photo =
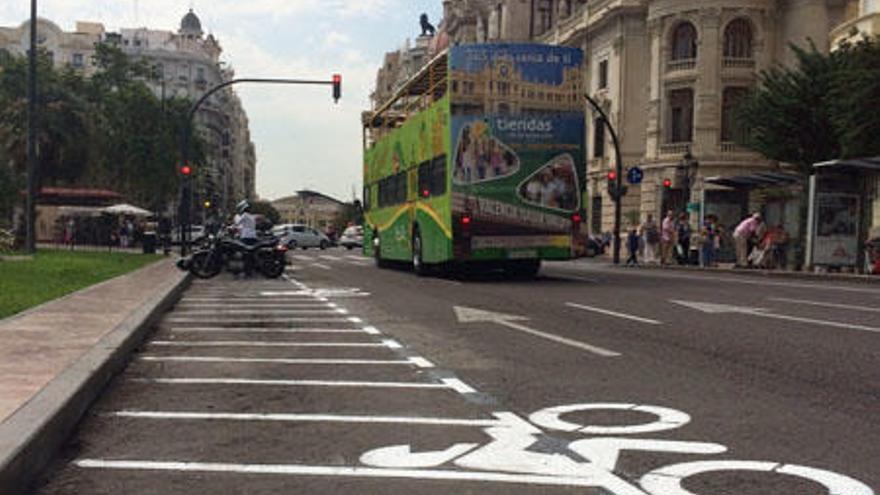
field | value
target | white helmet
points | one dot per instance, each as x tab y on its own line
242	206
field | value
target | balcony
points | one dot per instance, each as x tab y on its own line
738	63
675	148
681	65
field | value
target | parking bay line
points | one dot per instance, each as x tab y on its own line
419	362
257	312
614	313
826	304
256	320
244	343
453	384
501	419
350	472
266	330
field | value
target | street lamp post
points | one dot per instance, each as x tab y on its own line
618	180
30	203
688	166
187	192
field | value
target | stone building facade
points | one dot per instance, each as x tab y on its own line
311	208
186	64
669	73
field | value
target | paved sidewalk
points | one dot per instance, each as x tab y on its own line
845	277
38	344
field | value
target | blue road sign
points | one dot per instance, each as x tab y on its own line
634	175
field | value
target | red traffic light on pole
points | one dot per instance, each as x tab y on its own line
185	170
667	183
612	175
337	87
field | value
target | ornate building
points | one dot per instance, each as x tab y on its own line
669	73
186	64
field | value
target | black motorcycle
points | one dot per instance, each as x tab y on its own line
217	252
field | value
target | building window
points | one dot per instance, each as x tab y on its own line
200	74
738	39
870	6
78	60
544	16
731	129
681	116
684	42
599	138
603	74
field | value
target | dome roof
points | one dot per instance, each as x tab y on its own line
191	22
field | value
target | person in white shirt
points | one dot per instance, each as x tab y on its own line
246	223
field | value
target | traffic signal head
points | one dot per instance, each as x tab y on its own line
207	203
337	87
185	170
612	175
667	183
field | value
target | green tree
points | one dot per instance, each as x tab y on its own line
854	99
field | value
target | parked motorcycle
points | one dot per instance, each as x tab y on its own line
221	251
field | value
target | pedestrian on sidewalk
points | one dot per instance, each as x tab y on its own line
667	238
633	241
651	235
683	234
710	241
743	233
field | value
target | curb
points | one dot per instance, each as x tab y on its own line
31	437
816	277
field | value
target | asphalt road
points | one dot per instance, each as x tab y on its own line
344	378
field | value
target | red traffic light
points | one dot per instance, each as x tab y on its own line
667	183
185	170
576	218
612	175
337	87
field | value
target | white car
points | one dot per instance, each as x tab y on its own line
352	237
301	236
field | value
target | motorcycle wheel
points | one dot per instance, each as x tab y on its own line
272	267
202	265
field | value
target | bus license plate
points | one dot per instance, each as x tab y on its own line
522	254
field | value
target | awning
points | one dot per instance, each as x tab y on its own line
852	165
127	209
758	179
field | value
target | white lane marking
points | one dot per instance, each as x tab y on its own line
263	330
310	418
446	384
458	385
248	343
471	315
252	306
301	257
258	312
614	313
255	320
421	362
392	344
418	362
355	319
713	308
372	330
356	257
598	480
805	302
732	278
321	266
329	257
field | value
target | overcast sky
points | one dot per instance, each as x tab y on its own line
302	139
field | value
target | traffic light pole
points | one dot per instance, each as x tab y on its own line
619	179
187	190
30	213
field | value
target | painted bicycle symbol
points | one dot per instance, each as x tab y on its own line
592	461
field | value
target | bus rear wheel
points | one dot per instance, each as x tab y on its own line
377	251
418	263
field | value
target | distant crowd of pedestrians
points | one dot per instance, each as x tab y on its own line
669	242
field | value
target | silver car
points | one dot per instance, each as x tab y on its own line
352	237
302	236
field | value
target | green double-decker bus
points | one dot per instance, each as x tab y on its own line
479	159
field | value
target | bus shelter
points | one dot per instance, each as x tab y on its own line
844	216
